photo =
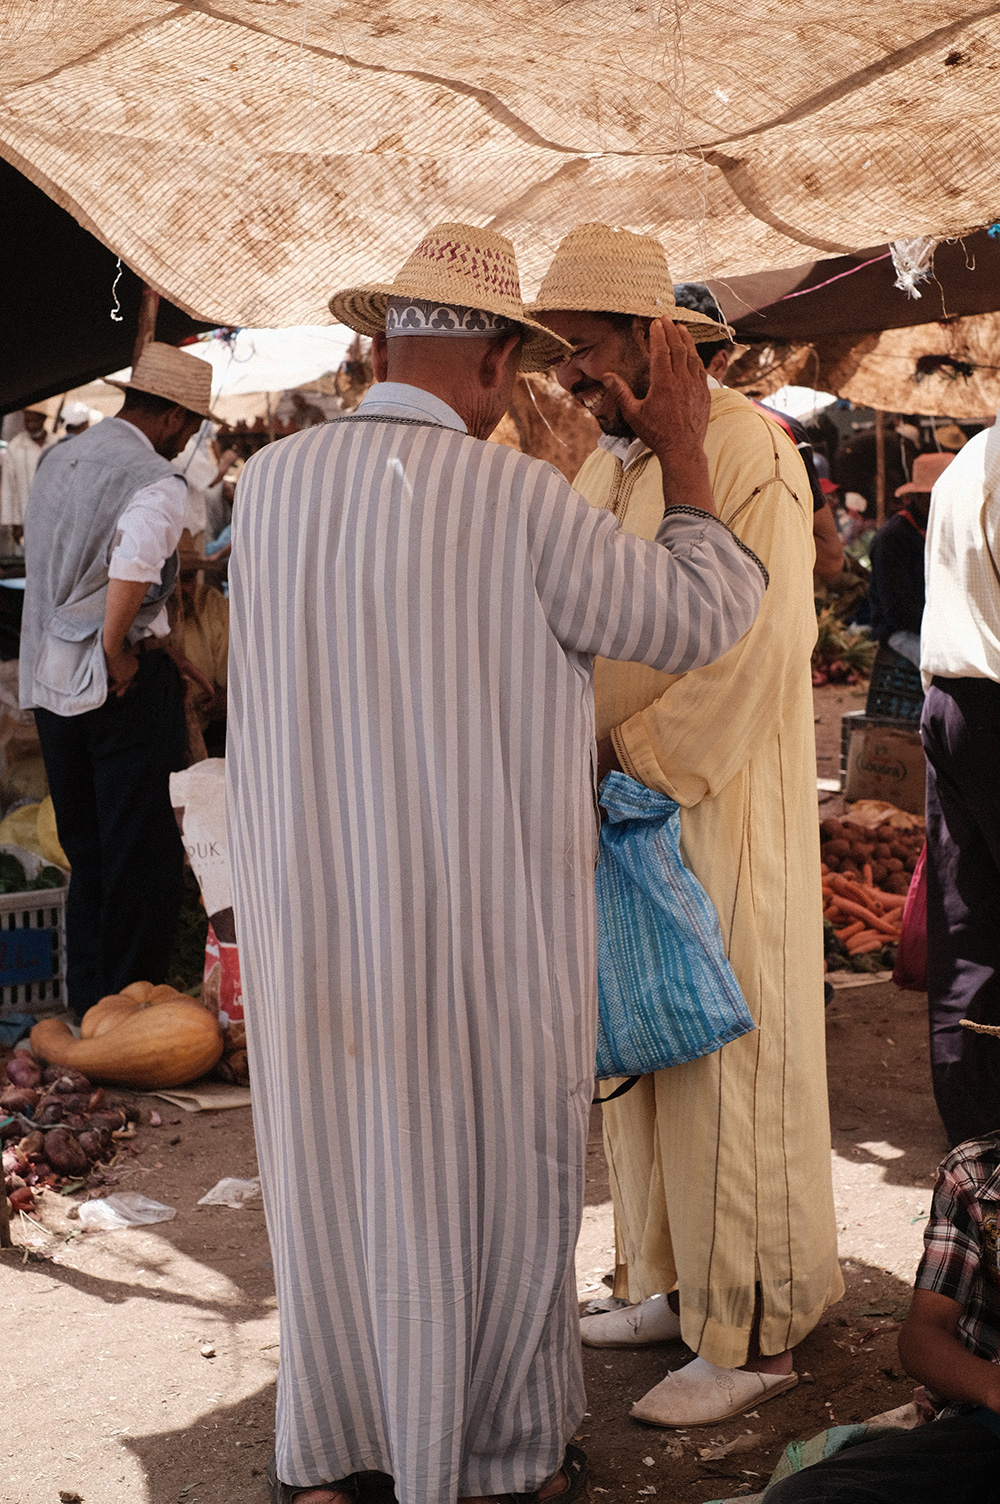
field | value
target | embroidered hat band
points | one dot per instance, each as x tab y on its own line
458	274
429	316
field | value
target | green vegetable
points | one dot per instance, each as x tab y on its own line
12	874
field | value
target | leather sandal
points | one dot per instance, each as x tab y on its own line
573	1468
287	1493
702	1394
652	1320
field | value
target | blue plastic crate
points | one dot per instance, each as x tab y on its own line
33	952
895	689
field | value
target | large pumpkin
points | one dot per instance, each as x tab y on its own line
147	1037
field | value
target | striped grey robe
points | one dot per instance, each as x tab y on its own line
412	830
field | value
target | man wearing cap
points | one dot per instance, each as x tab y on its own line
103	521
17	470
413	836
960	730
897	555
720	1169
75	419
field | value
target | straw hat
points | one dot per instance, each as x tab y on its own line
967	1023
927	468
164	371
600	270
459	266
950	436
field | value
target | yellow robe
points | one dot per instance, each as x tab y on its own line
720	1169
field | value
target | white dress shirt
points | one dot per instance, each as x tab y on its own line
17	471
960	633
148	532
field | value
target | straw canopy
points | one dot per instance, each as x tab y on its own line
458	266
597	269
164	371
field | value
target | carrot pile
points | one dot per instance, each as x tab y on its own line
867	861
864	918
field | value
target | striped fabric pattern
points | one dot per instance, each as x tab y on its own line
413	838
666	992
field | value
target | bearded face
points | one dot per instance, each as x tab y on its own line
601	345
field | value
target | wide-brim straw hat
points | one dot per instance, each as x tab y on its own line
461	266
950	436
164	371
597	269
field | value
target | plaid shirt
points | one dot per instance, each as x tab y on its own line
962	1245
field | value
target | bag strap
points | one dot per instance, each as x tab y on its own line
619	1091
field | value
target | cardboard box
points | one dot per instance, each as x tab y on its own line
882	759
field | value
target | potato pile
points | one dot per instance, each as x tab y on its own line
56	1128
883	857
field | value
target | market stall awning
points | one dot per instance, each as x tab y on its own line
247	157
858	294
940	370
56	300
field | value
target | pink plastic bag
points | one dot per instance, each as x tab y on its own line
910	971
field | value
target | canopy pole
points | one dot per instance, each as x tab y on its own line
146	327
879	468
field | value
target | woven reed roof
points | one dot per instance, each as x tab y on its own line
246	157
958	374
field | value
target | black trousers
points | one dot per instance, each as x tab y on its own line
960	729
108	775
955	1461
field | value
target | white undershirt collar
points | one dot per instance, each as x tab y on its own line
398	399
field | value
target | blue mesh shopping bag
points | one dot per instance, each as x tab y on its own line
666	992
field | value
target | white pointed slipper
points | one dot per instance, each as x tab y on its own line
650	1321
699	1394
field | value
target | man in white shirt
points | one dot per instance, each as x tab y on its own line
20	461
103	522
960	728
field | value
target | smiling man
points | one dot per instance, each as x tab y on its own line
720	1169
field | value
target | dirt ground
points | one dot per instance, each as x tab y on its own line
139	1365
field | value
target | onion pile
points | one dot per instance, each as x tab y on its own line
55	1127
233	1066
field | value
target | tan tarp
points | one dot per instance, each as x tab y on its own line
880	370
246	157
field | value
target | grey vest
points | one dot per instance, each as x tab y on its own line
75	502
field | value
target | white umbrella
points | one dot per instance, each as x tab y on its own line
270	360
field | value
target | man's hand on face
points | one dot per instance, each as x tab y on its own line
672	418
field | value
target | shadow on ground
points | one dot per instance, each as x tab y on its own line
887	1142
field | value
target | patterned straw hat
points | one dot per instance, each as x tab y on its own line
164	371
600	270
454	266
